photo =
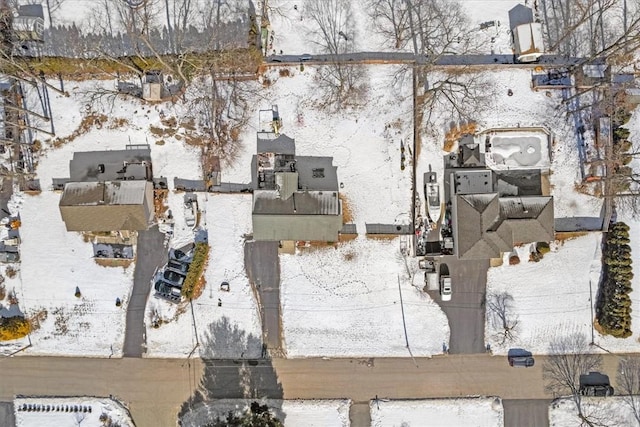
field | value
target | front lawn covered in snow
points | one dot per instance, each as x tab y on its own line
345	302
476	412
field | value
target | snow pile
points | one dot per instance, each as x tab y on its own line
69	412
229	330
610	411
345	302
476	412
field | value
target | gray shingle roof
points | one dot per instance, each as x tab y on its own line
488	225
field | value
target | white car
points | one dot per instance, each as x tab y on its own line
445	288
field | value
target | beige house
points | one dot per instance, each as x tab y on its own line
107	206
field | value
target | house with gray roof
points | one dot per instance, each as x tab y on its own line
107	206
486	224
109	191
294	197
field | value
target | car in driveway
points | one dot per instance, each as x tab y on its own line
178	266
521	361
445	288
166	288
174	278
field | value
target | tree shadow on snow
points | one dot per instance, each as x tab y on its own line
235	367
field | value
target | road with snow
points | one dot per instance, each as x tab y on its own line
154	389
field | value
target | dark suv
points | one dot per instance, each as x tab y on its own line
595	384
600	390
521	361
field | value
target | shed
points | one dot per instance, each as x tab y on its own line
29	24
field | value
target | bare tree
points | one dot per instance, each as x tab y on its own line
335	34
569	358
391	19
629	384
220	109
591	28
502	317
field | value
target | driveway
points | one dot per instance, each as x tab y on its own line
7	418
263	268
151	254
466	310
526	412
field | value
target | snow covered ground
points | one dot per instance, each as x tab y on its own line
365	141
609	411
551	298
232	329
69	412
293	413
293	28
55	261
345	302
470	412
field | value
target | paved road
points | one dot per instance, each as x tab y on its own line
526	413
408	57
465	311
156	388
151	254
7	418
263	268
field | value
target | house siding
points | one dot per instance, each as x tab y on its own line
297	227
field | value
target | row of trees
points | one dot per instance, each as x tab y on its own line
613	308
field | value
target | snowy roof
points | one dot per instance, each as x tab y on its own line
110	165
317	173
269	142
268	202
109	206
487	225
473	181
104	193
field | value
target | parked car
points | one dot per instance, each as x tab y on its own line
305	57
445	288
521	361
178	266
600	390
595	384
175	279
166	288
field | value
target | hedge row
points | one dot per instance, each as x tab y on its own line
613	310
12	328
200	254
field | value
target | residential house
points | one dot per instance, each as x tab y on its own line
108	191
486	223
294	197
107	206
